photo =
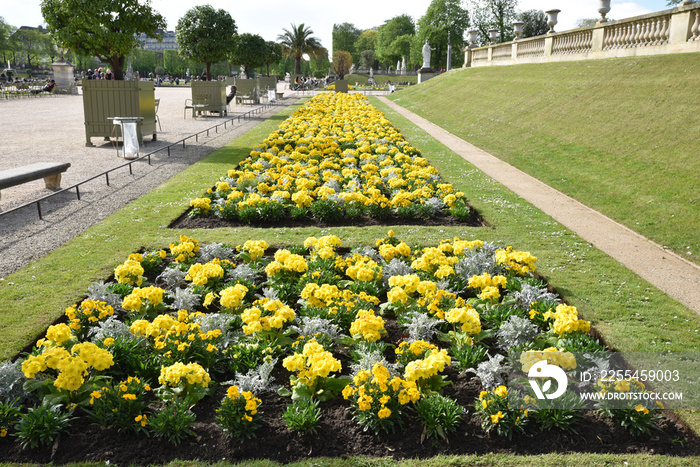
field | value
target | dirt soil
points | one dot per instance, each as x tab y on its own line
340	436
211	222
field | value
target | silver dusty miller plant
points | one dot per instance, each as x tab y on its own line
419	326
516	332
258	379
100	291
215	250
183	299
309	326
172	278
395	267
529	294
478	261
491	371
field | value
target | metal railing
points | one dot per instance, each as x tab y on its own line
260	108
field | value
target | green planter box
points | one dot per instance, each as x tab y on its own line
209	96
104	99
341	85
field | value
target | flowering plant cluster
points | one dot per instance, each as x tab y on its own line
141	351
337	157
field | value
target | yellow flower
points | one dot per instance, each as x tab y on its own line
497	417
641	408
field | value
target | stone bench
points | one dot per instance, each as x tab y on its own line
49	171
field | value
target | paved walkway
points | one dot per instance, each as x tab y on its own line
51	129
676	276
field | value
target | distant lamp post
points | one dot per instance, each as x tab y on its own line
517	29
493	35
552	20
449	51
603	10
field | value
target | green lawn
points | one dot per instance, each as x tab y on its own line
630	313
619	135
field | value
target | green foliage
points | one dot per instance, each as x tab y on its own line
41	425
250	51
106	29
366	41
441	18
345	36
303	415
297	42
10	412
501	412
493	14
561	414
238	414
388	33
535	23
326	210
174	421
122	405
467	355
206	35
273	54
439	415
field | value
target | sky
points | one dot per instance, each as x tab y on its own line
269	17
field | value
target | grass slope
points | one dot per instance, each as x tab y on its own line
619	135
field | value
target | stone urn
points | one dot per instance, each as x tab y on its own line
517	29
552	20
493	35
473	35
603	10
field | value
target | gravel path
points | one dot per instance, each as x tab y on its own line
675	275
50	129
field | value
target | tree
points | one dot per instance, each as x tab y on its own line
344	37
249	52
441	18
28	42
206	35
273	54
366	41
6	31
535	23
342	61
493	14
106	29
583	22
297	42
367	59
388	32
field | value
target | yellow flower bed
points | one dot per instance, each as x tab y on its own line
336	157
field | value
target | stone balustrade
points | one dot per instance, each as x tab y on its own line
670	31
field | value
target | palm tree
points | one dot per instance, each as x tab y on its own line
297	42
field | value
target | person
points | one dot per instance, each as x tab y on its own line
231	95
48	87
108	74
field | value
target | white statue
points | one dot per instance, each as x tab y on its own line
398	66
426	54
371	72
403	65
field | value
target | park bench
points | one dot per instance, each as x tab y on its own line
49	171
